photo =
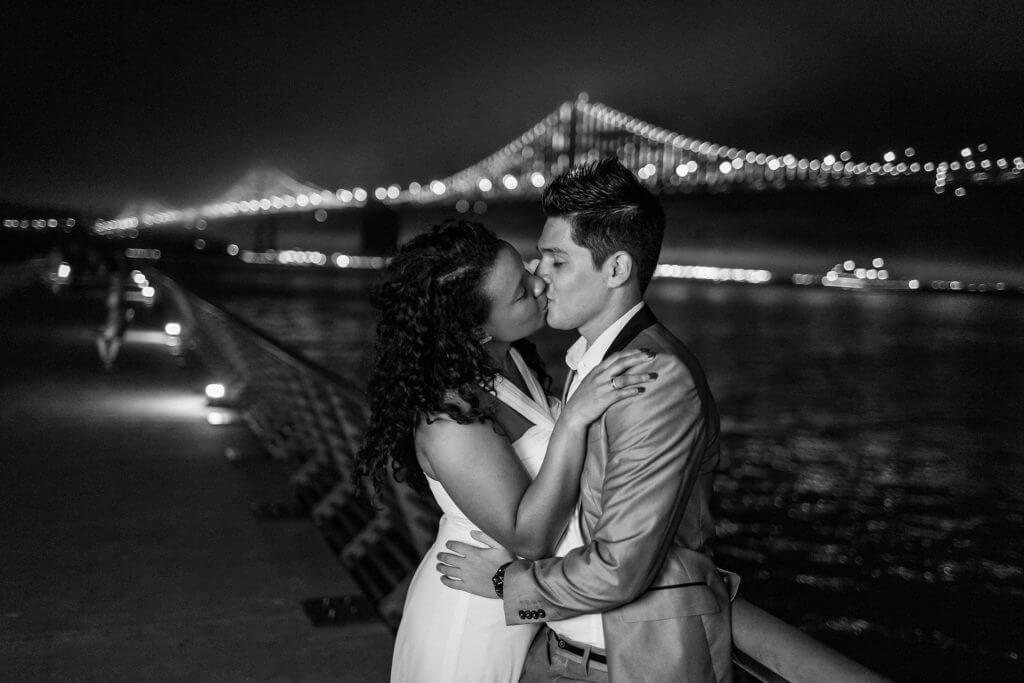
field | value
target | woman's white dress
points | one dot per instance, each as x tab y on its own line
448	635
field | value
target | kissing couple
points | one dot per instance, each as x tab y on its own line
573	540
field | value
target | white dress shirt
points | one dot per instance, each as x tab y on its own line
582	359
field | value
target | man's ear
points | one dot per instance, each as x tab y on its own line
619	269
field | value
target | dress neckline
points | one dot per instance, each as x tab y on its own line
534	407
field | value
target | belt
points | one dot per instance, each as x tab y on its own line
579	651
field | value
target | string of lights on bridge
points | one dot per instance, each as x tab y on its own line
581	131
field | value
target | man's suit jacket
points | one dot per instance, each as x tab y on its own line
645	513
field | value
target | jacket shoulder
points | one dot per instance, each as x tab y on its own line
675	360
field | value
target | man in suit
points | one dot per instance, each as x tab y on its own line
640	600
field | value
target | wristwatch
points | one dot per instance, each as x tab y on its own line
499	580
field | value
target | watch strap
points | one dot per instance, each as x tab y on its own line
499	580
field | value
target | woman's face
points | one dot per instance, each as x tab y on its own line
518	302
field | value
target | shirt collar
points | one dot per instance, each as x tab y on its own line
582	359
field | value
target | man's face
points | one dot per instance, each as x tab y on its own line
577	291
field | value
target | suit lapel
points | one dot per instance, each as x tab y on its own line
568	382
643	319
593	471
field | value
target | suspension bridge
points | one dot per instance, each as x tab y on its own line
579	131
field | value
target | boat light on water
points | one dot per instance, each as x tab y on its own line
848	275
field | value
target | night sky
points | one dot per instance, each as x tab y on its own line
173	102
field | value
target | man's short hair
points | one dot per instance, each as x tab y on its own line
609	211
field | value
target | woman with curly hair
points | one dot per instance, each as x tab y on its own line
459	407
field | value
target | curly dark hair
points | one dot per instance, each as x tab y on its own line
431	304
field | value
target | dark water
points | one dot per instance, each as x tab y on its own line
872	490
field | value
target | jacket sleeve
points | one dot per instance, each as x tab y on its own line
655	448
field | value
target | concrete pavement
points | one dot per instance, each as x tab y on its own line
128	548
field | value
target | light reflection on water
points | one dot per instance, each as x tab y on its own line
872	489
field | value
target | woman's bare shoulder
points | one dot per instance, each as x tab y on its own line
442	426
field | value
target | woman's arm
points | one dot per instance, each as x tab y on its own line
480	470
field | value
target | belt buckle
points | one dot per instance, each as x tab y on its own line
584	653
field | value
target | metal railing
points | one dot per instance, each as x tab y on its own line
771	650
313	420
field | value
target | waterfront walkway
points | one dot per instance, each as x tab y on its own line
130	550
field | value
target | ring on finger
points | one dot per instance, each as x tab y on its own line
613	383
